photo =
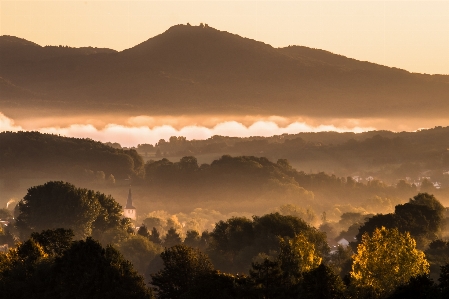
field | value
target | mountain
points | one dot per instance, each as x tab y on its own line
199	69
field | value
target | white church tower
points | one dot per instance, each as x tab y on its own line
130	210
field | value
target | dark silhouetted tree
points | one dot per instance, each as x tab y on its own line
54	242
87	270
192	239
322	283
418	287
143	231
155	236
266	278
172	238
183	266
62	205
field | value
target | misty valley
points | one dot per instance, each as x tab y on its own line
239	216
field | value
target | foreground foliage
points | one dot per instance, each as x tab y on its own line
51	265
386	260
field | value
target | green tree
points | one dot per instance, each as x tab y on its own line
236	241
438	255
155	236
322	283
341	260
386	260
87	270
444	280
183	266
26	270
109	216
143	231
54	242
266	277
192	239
115	235
55	205
422	217
139	251
50	266
296	256
21	271
172	238
188	164
62	205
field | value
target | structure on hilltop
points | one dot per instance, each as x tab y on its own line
129	211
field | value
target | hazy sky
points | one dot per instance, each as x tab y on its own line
413	35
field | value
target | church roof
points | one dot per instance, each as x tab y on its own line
129	202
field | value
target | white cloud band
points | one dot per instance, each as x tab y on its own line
133	134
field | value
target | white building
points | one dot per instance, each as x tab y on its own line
343	242
129	211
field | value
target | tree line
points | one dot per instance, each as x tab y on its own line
33	154
402	154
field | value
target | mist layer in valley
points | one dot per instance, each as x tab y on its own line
222	176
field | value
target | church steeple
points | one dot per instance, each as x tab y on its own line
129	202
130	211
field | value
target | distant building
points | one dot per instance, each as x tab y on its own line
343	242
129	211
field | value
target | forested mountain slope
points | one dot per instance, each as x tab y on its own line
199	69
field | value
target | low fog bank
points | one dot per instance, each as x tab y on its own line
145	129
133	130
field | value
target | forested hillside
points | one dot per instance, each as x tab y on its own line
388	156
201	70
35	155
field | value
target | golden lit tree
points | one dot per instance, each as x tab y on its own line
386	260
297	255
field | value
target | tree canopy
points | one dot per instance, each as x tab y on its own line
51	265
236	241
62	205
183	266
422	217
385	260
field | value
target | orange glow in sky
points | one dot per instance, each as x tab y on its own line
412	35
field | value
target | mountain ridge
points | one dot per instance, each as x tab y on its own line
199	69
